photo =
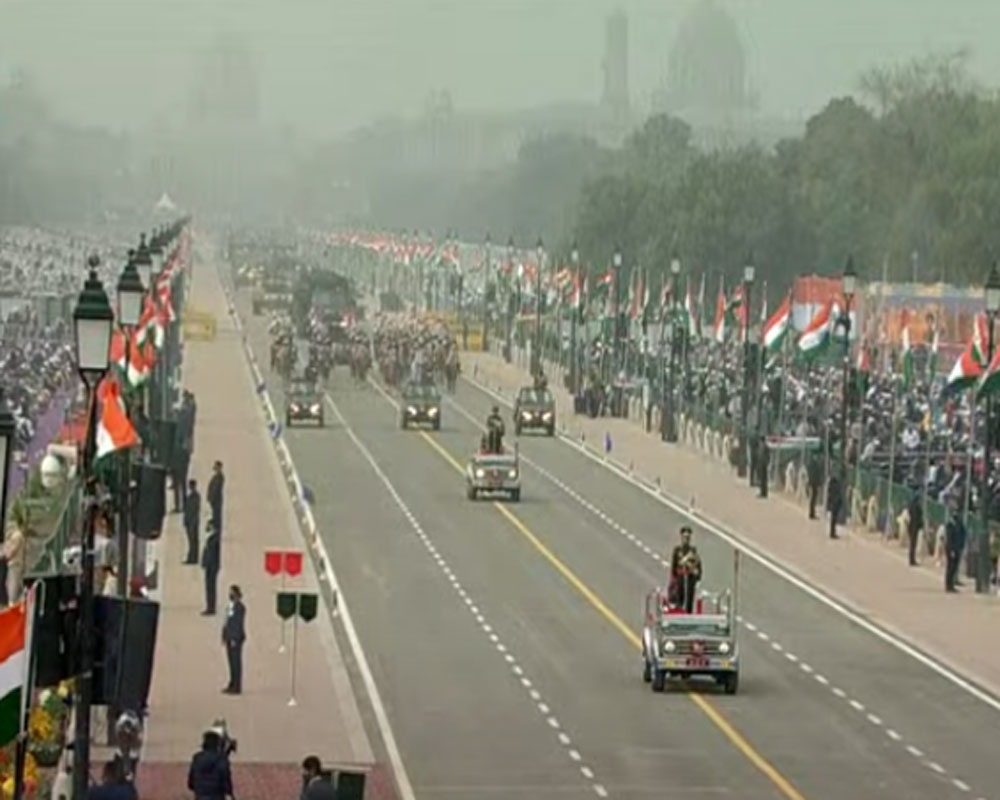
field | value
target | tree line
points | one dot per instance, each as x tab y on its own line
901	176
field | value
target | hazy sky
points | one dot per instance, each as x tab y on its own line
327	65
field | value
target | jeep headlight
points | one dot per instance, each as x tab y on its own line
432	412
512	474
525	415
724	648
669	646
314	408
295	408
547	416
480	473
411	410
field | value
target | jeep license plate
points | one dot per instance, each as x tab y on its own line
696	661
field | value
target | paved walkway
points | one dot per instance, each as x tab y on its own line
858	569
190	668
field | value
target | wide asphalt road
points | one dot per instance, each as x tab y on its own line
503	638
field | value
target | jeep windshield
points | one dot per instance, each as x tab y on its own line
423	394
301	388
535	397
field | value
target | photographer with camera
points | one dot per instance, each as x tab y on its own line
317	783
209	775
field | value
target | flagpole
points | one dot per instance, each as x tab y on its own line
861	431
892	455
21	748
970	462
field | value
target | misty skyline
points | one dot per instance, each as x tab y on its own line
330	65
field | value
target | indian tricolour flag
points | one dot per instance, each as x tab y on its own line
990	381
777	326
967	368
817	332
907	352
719	326
15	647
689	312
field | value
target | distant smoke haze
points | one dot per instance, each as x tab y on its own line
329	65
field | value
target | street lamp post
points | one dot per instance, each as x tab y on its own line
536	348
130	292
8	427
616	270
574	257
668	423
488	299
509	353
849	284
748	276
93	321
983	561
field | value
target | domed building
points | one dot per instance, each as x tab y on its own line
707	65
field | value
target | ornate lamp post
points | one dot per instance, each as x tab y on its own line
536	347
130	293
574	370
668	422
7	429
748	275
849	285
489	296
509	354
93	322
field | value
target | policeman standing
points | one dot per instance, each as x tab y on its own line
954	544
233	636
211	560
216	487
192	519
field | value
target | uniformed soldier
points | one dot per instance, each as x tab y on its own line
685	572
495	430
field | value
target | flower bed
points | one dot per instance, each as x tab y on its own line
47	722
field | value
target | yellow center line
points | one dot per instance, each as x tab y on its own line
737	739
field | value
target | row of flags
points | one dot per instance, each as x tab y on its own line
594	295
133	357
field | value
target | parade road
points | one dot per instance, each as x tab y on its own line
504	637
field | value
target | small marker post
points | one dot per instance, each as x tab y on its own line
295	652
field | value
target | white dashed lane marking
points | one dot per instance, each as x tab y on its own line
476	612
762	635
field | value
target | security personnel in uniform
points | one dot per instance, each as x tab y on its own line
685	572
495	430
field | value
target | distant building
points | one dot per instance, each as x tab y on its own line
707	69
225	87
615	97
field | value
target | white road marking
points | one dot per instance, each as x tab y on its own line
487	628
772	564
776	646
402	778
